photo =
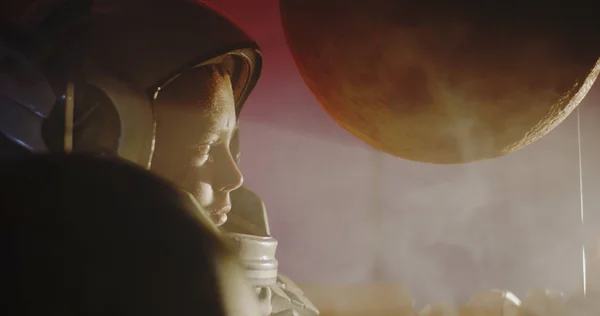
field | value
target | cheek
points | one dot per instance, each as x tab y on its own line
204	193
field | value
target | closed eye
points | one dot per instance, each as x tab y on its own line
203	149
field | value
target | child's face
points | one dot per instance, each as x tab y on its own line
196	122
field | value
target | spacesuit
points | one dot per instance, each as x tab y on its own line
84	77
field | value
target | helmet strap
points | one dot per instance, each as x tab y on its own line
69	114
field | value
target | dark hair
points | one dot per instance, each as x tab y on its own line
92	236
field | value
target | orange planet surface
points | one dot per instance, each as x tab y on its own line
443	82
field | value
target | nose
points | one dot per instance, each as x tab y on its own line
229	176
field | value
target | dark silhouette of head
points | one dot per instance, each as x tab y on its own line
93	236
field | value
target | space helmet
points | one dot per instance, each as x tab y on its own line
85	76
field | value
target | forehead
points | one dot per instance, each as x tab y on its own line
197	103
205	89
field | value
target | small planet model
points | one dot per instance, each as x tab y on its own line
445	82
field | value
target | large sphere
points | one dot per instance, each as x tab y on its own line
443	81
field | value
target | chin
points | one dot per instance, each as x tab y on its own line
219	220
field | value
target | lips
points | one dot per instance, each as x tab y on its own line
219	216
221	211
